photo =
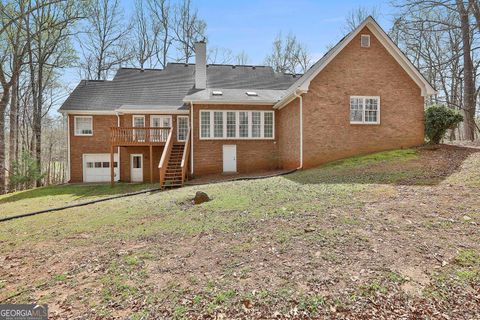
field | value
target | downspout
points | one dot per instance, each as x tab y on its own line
191	138
118	148
68	148
301	128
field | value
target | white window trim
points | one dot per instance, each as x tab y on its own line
237	124
361	40
159	116
178	128
75	126
138	116
363	110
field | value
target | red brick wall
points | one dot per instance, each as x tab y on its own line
252	155
99	142
328	134
288	135
125	163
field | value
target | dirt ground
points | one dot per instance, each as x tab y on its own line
382	237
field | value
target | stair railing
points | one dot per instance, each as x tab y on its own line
162	166
186	155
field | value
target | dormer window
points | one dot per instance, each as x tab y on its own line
217	93
365	41
252	94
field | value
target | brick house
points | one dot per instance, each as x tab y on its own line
196	119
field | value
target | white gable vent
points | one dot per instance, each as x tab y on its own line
217	93
365	41
252	94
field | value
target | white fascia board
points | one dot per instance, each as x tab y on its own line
87	112
289	98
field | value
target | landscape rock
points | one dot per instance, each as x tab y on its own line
201	197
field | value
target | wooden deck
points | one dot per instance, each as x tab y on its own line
135	136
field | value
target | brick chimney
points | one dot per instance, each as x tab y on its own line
200	65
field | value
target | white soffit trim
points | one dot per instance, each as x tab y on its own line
246	102
152	111
303	83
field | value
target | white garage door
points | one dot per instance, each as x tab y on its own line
96	167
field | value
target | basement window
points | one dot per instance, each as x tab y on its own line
217	93
252	94
365	41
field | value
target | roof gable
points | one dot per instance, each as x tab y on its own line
303	83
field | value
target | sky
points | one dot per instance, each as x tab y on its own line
251	25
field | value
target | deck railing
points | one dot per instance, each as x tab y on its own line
162	166
139	136
185	157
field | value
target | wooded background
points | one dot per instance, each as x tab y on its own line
40	39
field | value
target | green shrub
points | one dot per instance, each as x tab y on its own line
26	170
438	119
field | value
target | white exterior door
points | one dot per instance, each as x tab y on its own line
96	167
136	168
229	158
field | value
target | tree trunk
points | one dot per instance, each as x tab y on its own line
3	106
12	147
469	76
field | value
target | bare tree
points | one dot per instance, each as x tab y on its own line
160	13
12	52
48	34
242	58
440	39
288	55
146	34
219	55
104	46
188	28
357	15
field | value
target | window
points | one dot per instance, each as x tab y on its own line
182	128
243	124
218	124
365	110
231	124
268	125
217	93
83	126
205	124
89	164
222	124
251	93
98	164
365	41
256	124
106	164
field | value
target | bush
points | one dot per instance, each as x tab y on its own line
26	171
438	119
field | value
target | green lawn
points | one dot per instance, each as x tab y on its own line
317	242
57	196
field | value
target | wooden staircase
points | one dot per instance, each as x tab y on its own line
173	175
174	163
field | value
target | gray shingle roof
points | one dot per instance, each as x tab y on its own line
165	89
